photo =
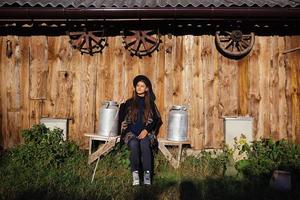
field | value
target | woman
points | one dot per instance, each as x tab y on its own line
140	120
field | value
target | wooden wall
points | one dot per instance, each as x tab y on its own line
45	77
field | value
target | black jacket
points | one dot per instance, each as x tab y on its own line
152	125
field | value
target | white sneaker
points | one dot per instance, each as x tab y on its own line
147	178
136	178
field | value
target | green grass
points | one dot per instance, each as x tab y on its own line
72	180
46	167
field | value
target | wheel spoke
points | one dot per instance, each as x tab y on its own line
151	39
230	44
244	43
146	47
95	39
238	46
136	45
132	43
149	32
241	46
225	40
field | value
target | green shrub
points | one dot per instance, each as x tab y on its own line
266	155
43	148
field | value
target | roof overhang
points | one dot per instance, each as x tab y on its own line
167	13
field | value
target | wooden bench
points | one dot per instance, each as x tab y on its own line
162	145
109	144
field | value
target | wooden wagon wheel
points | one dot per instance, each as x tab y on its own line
141	42
234	44
89	42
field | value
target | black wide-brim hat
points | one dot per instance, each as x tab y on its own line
146	80
143	78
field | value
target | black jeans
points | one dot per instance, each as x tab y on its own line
140	150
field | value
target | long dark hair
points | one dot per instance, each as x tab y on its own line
134	107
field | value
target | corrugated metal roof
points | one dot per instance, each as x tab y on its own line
150	3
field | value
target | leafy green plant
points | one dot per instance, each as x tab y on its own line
44	147
266	155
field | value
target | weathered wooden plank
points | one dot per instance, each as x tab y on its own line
293	90
187	64
86	91
170	45
159	83
208	86
282	78
274	89
100	82
54	63
24	82
64	52
229	77
62	106
147	67
243	87
13	135
197	113
10	92
38	67
13	77
132	70
13	94
119	71
264	106
296	55
109	71
217	120
103	149
75	66
213	134
59	55
3	106
254	92
178	72
35	111
187	77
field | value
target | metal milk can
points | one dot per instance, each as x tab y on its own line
178	123
108	121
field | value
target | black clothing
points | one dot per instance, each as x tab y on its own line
140	149
138	125
152	124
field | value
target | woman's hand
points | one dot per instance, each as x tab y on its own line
123	125
143	134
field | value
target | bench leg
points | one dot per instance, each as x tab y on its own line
179	155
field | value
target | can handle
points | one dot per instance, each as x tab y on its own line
106	104
181	107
